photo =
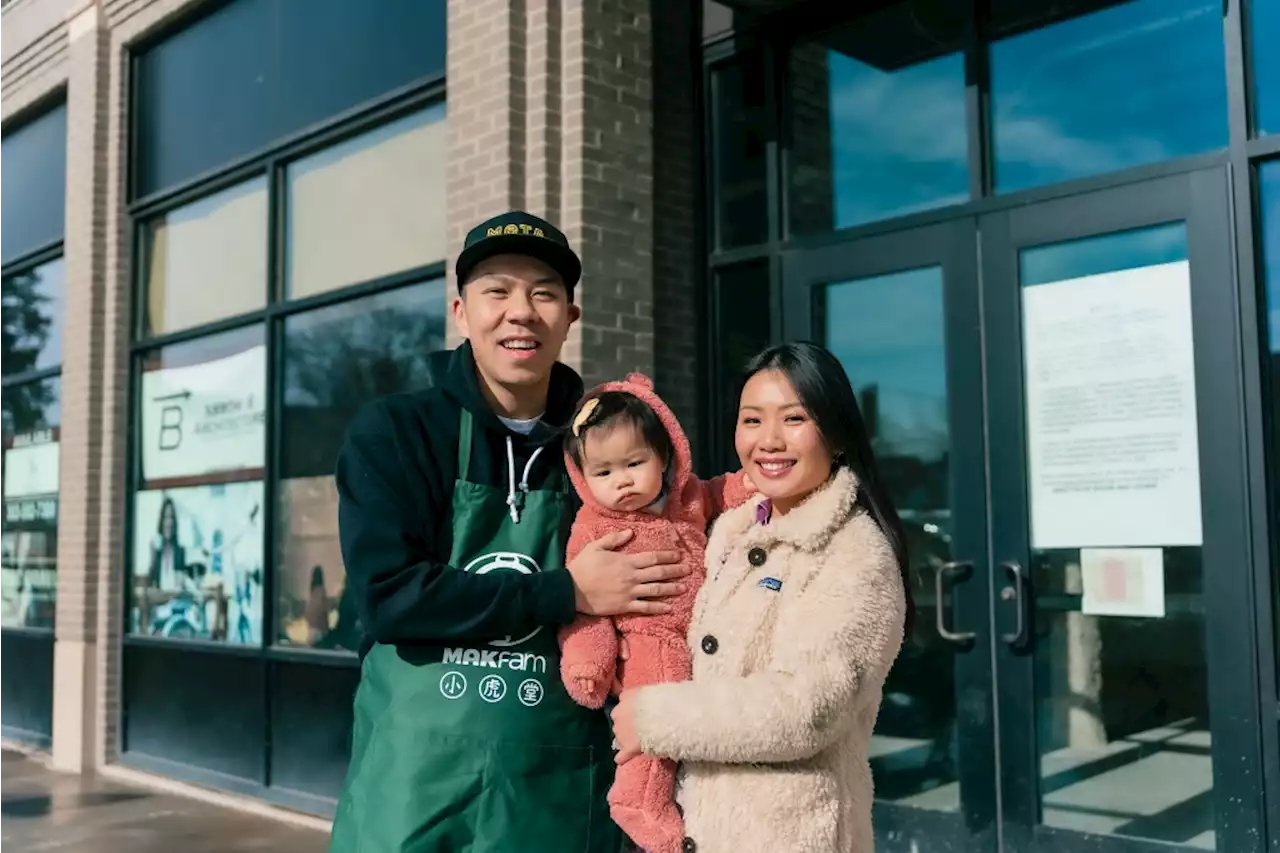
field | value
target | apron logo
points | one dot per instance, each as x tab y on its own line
493	688
506	561
453	685
530	692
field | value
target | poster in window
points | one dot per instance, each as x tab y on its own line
31	464
197	563
1112	435
204	418
29	569
29	545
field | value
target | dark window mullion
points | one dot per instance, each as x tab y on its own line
977	72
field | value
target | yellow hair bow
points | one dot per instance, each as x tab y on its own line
587	408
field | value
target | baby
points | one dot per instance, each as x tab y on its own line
630	463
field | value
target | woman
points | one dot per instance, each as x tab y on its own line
801	617
169	570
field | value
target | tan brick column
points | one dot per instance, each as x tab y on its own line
608	182
550	110
486	109
75	650
543	116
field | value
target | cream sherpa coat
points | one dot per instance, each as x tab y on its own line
793	634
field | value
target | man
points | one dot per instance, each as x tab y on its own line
454	509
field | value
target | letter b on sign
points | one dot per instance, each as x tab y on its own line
170	428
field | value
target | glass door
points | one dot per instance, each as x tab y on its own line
1123	621
902	314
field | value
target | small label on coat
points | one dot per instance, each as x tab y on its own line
770	583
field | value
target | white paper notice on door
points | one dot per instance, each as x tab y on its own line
1112	446
1122	582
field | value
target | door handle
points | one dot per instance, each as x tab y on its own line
1016	594
958	567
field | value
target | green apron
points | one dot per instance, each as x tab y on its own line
476	746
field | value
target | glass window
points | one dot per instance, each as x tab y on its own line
33	316
208	260
335	359
255	71
197	537
1265	25
1121	687
889	333
743	328
28	570
877	121
33	195
1269	178
370	206
1133	84
739	136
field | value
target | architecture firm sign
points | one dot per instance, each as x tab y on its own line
1113	450
205	418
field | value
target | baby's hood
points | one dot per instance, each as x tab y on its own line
642	386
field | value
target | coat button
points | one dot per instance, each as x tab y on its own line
710	644
756	557
688	845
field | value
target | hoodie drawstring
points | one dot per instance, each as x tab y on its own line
514	499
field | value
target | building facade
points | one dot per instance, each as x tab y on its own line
1044	240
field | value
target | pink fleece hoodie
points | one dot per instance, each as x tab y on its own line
642	797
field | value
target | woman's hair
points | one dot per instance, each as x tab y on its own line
167	506
615	409
824	390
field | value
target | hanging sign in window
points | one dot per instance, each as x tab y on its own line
1112	446
204	418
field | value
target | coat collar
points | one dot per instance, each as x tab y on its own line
810	525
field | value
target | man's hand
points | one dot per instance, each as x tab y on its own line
607	583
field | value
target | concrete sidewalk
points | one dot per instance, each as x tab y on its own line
65	813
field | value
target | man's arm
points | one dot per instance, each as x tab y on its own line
401	591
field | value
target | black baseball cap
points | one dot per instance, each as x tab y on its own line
519	233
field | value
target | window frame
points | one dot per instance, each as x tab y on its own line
277	308
30	261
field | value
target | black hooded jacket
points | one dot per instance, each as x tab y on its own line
395	479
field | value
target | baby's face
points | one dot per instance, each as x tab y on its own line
621	470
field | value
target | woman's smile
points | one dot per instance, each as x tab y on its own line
773	468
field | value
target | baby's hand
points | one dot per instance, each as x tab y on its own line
587	683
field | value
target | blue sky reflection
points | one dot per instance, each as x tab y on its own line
1133	84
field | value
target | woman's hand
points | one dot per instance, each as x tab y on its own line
624	727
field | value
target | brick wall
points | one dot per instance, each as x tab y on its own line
81	575
551	109
608	182
486	69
